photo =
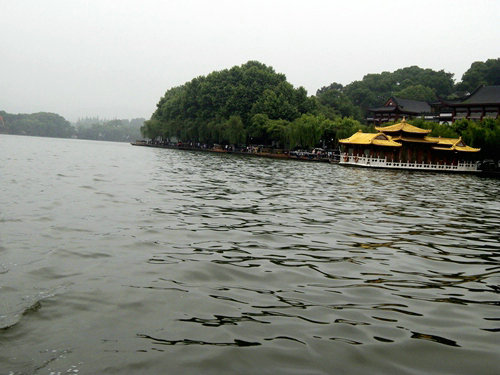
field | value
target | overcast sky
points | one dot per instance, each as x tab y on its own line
115	59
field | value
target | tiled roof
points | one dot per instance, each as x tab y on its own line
484	95
383	109
404	105
415	106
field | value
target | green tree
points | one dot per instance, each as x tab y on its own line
481	73
276	132
334	102
234	132
305	132
417	92
42	124
206	108
374	89
257	129
152	129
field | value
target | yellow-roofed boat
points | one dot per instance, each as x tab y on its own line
405	146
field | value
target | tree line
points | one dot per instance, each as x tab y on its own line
44	124
41	124
407	83
109	130
253	104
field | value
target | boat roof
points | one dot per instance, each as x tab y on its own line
377	139
414	139
402	126
453	144
383	139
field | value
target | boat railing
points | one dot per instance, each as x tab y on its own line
373	161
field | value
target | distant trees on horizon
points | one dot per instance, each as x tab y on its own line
46	124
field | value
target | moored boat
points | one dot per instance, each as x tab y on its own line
404	146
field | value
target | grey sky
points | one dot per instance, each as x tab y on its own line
115	59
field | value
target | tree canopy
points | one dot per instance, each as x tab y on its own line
38	124
374	89
481	73
109	130
230	105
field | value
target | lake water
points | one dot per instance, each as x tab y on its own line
117	259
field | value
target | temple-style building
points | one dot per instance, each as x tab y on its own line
395	109
404	146
482	103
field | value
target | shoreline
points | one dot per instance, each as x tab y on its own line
307	157
284	156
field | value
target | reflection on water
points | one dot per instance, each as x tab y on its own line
120	259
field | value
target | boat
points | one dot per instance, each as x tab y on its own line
405	146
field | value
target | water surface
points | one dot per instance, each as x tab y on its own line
117	259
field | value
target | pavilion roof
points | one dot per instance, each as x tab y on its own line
416	106
458	148
445	141
383	139
383	109
414	139
402	126
452	144
483	95
403	105
377	139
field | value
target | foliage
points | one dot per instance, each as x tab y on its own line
112	130
211	108
480	134
481	73
335	103
417	92
233	131
484	134
374	89
41	124
53	125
